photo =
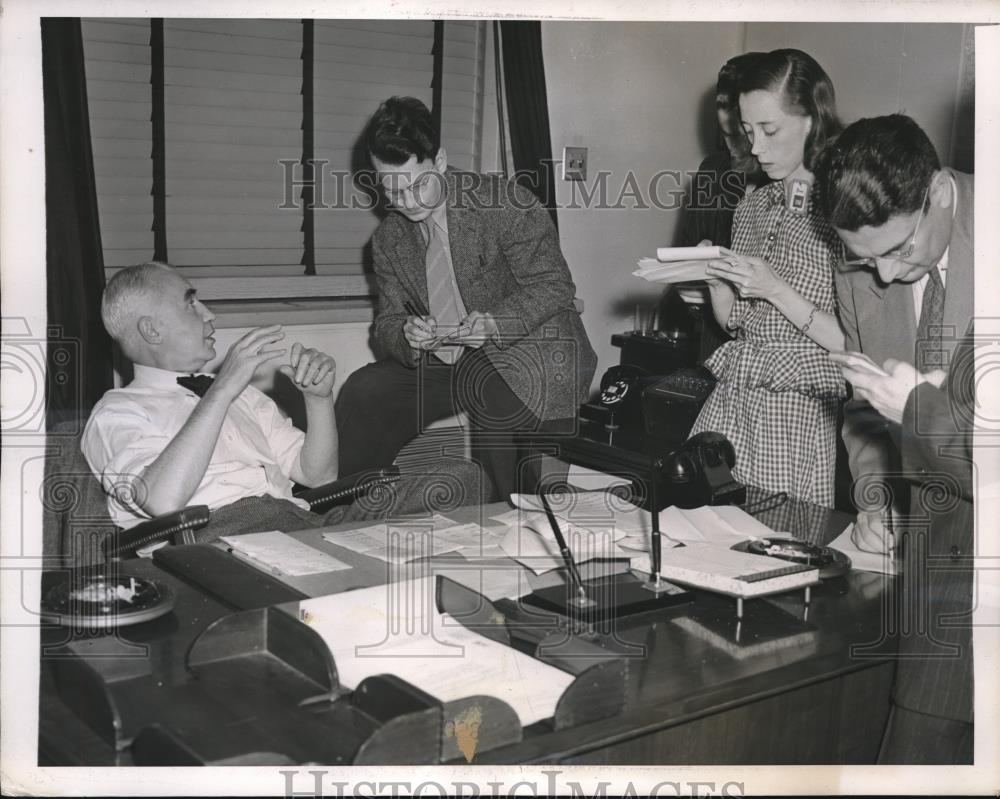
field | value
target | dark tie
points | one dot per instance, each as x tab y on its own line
199	384
929	354
440	288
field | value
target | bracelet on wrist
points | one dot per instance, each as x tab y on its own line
809	321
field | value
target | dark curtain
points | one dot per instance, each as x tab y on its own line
528	109
80	355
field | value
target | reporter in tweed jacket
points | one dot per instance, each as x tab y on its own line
507	261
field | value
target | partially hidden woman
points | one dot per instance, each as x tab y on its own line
777	395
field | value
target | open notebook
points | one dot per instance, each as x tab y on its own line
396	629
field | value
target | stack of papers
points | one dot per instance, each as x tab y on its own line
278	553
401	542
678	264
396	629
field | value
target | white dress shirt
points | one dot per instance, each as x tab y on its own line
129	428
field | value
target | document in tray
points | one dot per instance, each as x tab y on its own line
400	542
726	571
276	552
396	629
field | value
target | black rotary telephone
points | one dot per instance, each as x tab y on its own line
699	472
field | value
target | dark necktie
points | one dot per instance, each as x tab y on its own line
441	297
199	384
929	354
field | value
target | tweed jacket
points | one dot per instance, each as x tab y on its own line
931	455
507	261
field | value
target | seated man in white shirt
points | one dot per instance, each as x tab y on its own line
157	446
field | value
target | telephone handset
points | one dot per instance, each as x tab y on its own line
699	472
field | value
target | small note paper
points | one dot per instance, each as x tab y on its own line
276	552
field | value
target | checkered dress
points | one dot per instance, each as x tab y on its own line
777	395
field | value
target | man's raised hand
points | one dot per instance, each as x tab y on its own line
313	372
244	358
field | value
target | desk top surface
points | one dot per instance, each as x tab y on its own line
681	662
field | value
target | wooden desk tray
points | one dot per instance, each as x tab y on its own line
599	689
108	683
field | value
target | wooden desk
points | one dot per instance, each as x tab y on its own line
690	698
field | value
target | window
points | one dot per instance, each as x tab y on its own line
242	101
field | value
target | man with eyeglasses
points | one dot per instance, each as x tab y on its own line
475	310
905	299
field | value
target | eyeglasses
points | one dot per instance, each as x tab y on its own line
902	253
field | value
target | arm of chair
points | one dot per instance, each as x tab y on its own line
178	526
347	489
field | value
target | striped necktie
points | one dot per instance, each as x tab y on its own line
441	290
929	354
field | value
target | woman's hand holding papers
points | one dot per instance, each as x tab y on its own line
749	276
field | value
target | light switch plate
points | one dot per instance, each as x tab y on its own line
574	163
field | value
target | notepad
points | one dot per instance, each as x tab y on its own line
277	552
726	571
396	629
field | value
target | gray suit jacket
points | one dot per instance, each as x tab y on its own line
878	320
930	453
508	263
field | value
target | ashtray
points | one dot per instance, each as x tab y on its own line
103	601
830	562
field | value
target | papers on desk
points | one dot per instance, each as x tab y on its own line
587	521
396	629
630	526
279	553
863	561
403	541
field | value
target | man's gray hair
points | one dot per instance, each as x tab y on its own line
125	293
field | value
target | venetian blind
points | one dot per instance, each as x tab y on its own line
233	113
358	64
462	92
117	65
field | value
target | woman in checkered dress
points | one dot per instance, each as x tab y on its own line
778	394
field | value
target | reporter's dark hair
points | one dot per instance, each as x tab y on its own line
877	168
805	89
729	78
402	127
